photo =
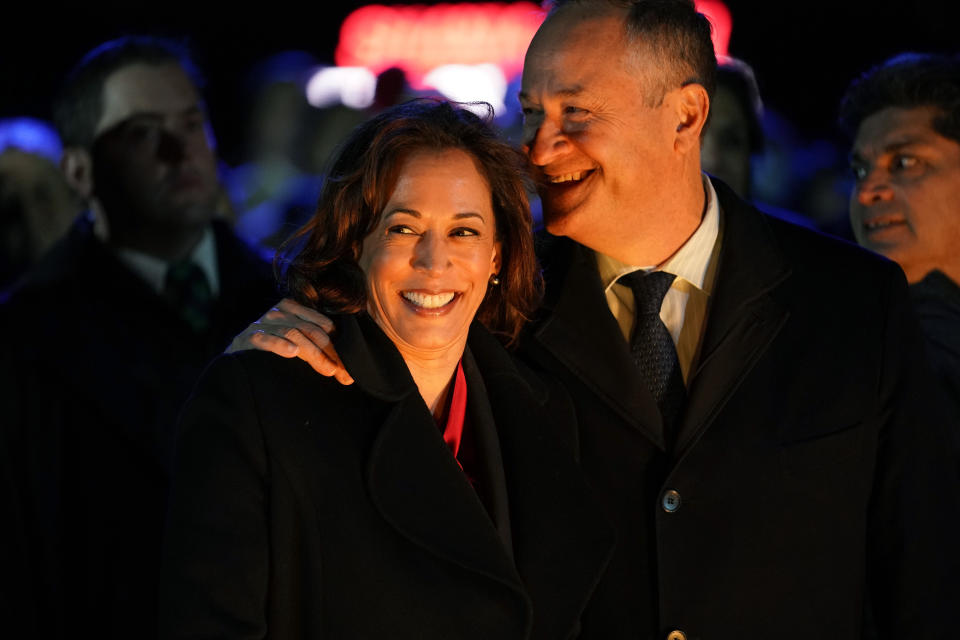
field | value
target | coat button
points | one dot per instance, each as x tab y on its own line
671	501
676	634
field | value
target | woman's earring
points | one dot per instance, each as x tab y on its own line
494	280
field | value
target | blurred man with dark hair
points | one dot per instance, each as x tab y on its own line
733	133
126	319
904	119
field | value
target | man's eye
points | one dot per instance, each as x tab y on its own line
859	172
140	131
904	162
193	124
531	114
575	112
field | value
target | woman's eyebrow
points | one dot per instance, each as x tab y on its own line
469	214
396	210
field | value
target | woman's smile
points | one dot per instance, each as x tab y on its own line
430	303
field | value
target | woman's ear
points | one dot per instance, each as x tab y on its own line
495	261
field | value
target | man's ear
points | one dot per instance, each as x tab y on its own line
692	107
77	166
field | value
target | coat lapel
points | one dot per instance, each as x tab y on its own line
744	316
579	331
413	479
490	470
561	540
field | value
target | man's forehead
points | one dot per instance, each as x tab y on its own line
895	126
161	89
567	62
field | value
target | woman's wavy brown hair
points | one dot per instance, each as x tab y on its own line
319	264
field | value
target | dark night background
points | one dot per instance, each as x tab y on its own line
804	53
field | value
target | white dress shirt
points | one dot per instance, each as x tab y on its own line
684	308
154	270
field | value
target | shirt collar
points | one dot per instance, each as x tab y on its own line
690	262
154	270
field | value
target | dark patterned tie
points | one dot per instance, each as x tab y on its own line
188	292
652	347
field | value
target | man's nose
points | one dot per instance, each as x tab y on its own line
546	144
172	146
431	254
874	188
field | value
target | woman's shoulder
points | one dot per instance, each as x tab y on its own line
512	383
496	361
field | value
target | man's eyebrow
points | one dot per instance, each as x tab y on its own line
153	118
891	146
156	115
899	143
566	92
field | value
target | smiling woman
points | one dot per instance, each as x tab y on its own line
429	262
326	273
413	503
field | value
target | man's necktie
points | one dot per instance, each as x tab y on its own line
188	292
652	347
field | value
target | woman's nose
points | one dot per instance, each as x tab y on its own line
431	253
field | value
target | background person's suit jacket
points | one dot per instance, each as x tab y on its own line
94	372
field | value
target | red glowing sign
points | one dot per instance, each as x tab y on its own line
418	38
719	16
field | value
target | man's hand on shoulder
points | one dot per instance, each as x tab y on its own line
292	330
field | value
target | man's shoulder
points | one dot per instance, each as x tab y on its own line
248	285
62	271
236	253
806	251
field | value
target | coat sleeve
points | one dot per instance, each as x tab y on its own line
214	574
914	521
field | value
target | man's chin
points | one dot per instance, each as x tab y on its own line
557	221
187	216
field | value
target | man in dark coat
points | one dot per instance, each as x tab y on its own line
904	119
755	412
131	307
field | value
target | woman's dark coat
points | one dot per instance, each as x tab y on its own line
304	509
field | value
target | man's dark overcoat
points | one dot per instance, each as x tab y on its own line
816	489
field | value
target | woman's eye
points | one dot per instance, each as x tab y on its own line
463	232
401	229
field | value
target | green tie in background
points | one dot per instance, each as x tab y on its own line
188	292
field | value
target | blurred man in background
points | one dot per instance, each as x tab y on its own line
734	133
127	317
904	119
37	207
